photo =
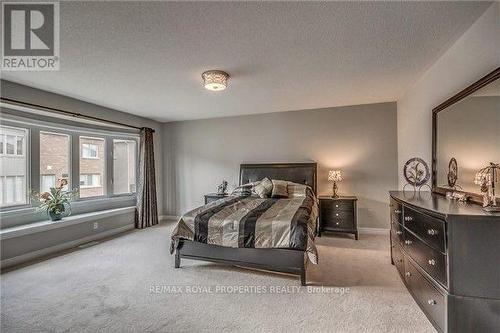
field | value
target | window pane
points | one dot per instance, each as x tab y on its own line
11	143
91	167
2	139
13	167
54	159
20	146
124	166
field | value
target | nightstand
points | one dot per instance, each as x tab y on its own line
338	215
213	197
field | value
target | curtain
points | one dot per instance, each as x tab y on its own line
147	212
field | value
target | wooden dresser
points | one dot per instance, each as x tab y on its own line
448	256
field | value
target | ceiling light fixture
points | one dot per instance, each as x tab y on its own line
215	80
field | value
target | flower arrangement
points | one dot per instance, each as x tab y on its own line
57	201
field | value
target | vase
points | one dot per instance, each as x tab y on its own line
55	216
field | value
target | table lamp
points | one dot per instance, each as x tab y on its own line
335	176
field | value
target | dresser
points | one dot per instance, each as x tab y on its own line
448	256
338	215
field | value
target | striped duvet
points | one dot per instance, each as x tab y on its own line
253	222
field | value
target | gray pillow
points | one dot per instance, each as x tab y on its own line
264	188
280	189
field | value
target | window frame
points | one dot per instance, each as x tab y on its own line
136	164
32	153
27	156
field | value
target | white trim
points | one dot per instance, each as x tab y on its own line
374	231
61	247
27	229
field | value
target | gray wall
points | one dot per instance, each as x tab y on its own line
473	55
45	98
359	140
19	249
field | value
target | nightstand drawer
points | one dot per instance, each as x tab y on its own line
339	220
336	205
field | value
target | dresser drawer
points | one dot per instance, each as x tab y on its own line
397	257
432	261
397	230
430	299
430	229
343	220
396	210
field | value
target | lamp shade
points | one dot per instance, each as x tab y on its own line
335	176
215	80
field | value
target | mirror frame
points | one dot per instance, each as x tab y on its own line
489	78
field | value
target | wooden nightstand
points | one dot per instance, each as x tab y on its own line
213	197
338	215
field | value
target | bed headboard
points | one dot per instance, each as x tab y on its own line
302	173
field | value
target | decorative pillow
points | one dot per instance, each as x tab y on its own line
279	189
296	190
243	190
264	188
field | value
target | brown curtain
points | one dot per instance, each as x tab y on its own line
147	212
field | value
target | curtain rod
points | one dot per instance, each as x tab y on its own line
73	114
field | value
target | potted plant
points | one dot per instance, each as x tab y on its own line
56	202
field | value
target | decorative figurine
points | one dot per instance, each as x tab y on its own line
486	179
416	173
452	172
222	188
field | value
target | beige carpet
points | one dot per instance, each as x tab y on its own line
108	288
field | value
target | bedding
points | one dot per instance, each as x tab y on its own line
243	221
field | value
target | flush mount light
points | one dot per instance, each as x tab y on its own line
215	80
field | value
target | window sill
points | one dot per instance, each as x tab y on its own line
67	221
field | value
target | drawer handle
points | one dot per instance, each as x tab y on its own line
431	302
408	242
336	214
397	211
408	274
432	232
408	218
432	262
399	232
337	223
336	206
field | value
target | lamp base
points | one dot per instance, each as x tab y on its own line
335	188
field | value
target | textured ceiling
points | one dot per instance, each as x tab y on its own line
146	58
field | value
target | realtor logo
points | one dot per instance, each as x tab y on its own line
30	36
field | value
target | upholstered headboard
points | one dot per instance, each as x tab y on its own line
302	173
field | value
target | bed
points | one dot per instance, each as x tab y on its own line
288	252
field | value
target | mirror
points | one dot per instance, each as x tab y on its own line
466	137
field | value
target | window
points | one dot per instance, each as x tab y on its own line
13	171
90	180
89	150
92	168
46	182
54	159
124	165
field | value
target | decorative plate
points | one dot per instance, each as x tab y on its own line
416	171
452	172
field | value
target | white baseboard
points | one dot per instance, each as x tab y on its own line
61	247
374	231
